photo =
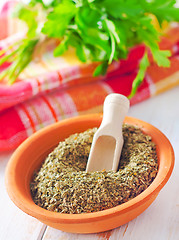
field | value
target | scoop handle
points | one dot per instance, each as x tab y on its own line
115	109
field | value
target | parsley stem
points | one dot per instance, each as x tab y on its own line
6	57
144	63
4	50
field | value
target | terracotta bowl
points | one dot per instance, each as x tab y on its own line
30	154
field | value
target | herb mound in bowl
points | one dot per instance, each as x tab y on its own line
62	185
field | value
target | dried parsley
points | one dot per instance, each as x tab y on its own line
62	185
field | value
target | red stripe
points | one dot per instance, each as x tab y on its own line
39	85
59	77
29	117
51	108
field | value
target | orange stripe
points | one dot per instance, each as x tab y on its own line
105	235
54	99
51	108
125	229
29	117
42	62
37	116
39	85
59	77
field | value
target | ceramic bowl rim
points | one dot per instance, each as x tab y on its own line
42	214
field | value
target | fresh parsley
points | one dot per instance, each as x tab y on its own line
100	31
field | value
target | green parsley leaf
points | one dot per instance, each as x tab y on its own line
59	19
161	57
100	31
29	17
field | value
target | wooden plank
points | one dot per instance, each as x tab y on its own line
55	234
14	224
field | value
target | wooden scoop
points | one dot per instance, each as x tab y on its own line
108	140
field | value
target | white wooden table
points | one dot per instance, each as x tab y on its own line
159	222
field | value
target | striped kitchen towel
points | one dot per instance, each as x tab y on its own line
57	88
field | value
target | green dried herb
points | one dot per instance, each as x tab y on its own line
62	185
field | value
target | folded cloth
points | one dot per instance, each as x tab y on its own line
53	89
58	73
